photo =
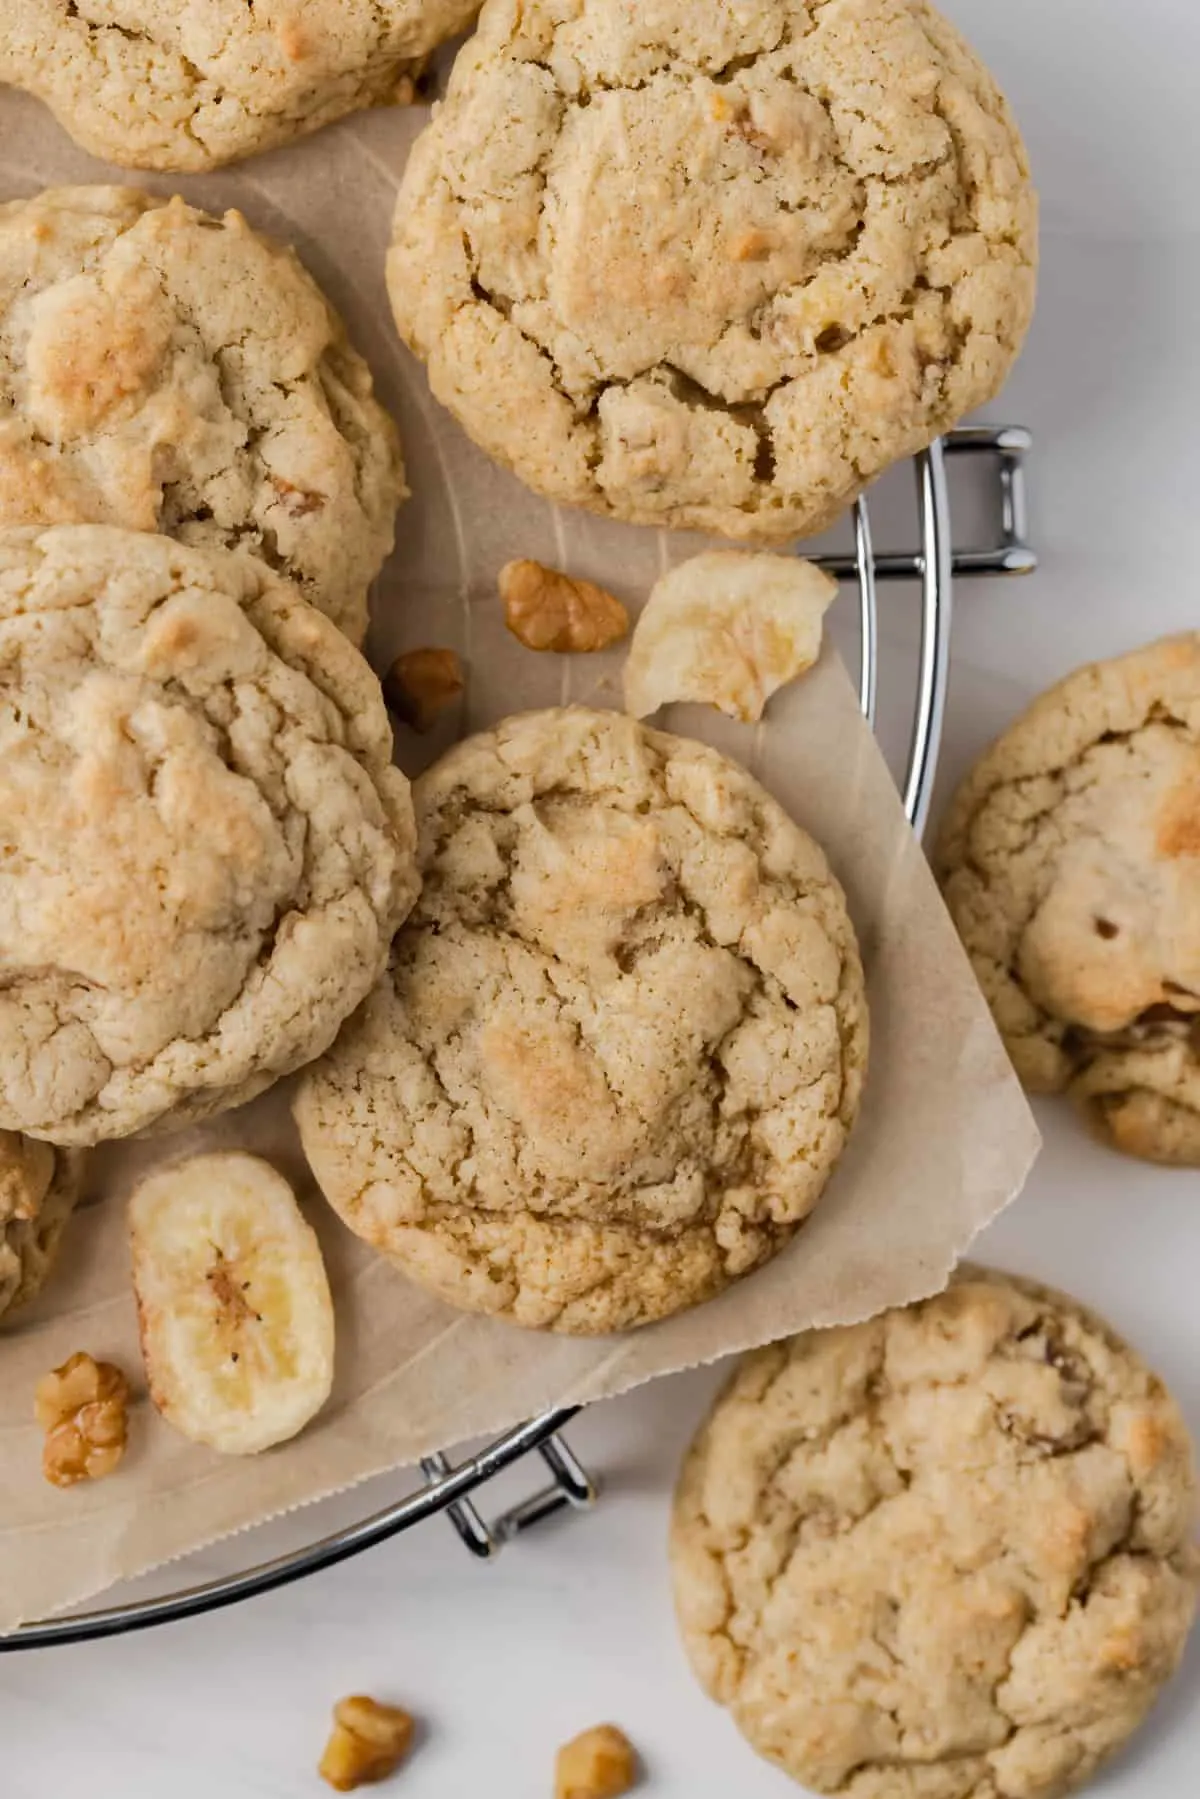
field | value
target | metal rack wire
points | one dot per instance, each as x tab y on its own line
935	564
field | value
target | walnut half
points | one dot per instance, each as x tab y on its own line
547	610
82	1408
368	1742
598	1764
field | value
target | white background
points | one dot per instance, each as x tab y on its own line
574	1625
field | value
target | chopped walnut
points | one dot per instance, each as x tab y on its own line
786	121
300	502
752	246
81	1407
292	41
547	610
420	684
368	1742
598	1764
726	628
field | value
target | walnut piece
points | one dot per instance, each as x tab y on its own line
728	629
82	1408
300	502
547	610
598	1764
368	1742
420	684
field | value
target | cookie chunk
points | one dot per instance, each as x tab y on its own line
38	1189
168	371
192	84
207	849
621	1041
1070	860
714	266
943	1555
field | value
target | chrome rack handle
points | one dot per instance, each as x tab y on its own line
452	1486
570	1485
1011	554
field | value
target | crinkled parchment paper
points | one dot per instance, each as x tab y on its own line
944	1141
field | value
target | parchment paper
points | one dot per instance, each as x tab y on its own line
945	1138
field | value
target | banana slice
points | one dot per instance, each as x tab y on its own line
233	1300
728	628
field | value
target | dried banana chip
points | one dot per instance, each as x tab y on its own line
727	628
233	1300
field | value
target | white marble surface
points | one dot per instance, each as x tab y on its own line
574	1625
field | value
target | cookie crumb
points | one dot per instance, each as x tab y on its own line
415	85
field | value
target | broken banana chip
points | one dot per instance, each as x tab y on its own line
233	1301
728	629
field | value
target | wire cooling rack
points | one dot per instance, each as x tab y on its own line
448	1489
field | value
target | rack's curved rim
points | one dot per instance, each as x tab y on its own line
448	1489
441	1494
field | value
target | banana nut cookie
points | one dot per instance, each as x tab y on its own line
165	370
1070	860
621	1042
714	266
207	849
191	84
38	1189
943	1555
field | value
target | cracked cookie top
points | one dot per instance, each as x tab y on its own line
943	1555
713	266
38	1189
192	84
1070	861
169	371
206	848
621	1041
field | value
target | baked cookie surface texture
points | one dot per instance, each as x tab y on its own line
620	1044
1070	861
192	84
169	371
714	266
943	1555
207	848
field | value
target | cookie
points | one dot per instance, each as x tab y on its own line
38	1189
1070	861
168	371
207	849
192	84
621	1041
714	266
943	1555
